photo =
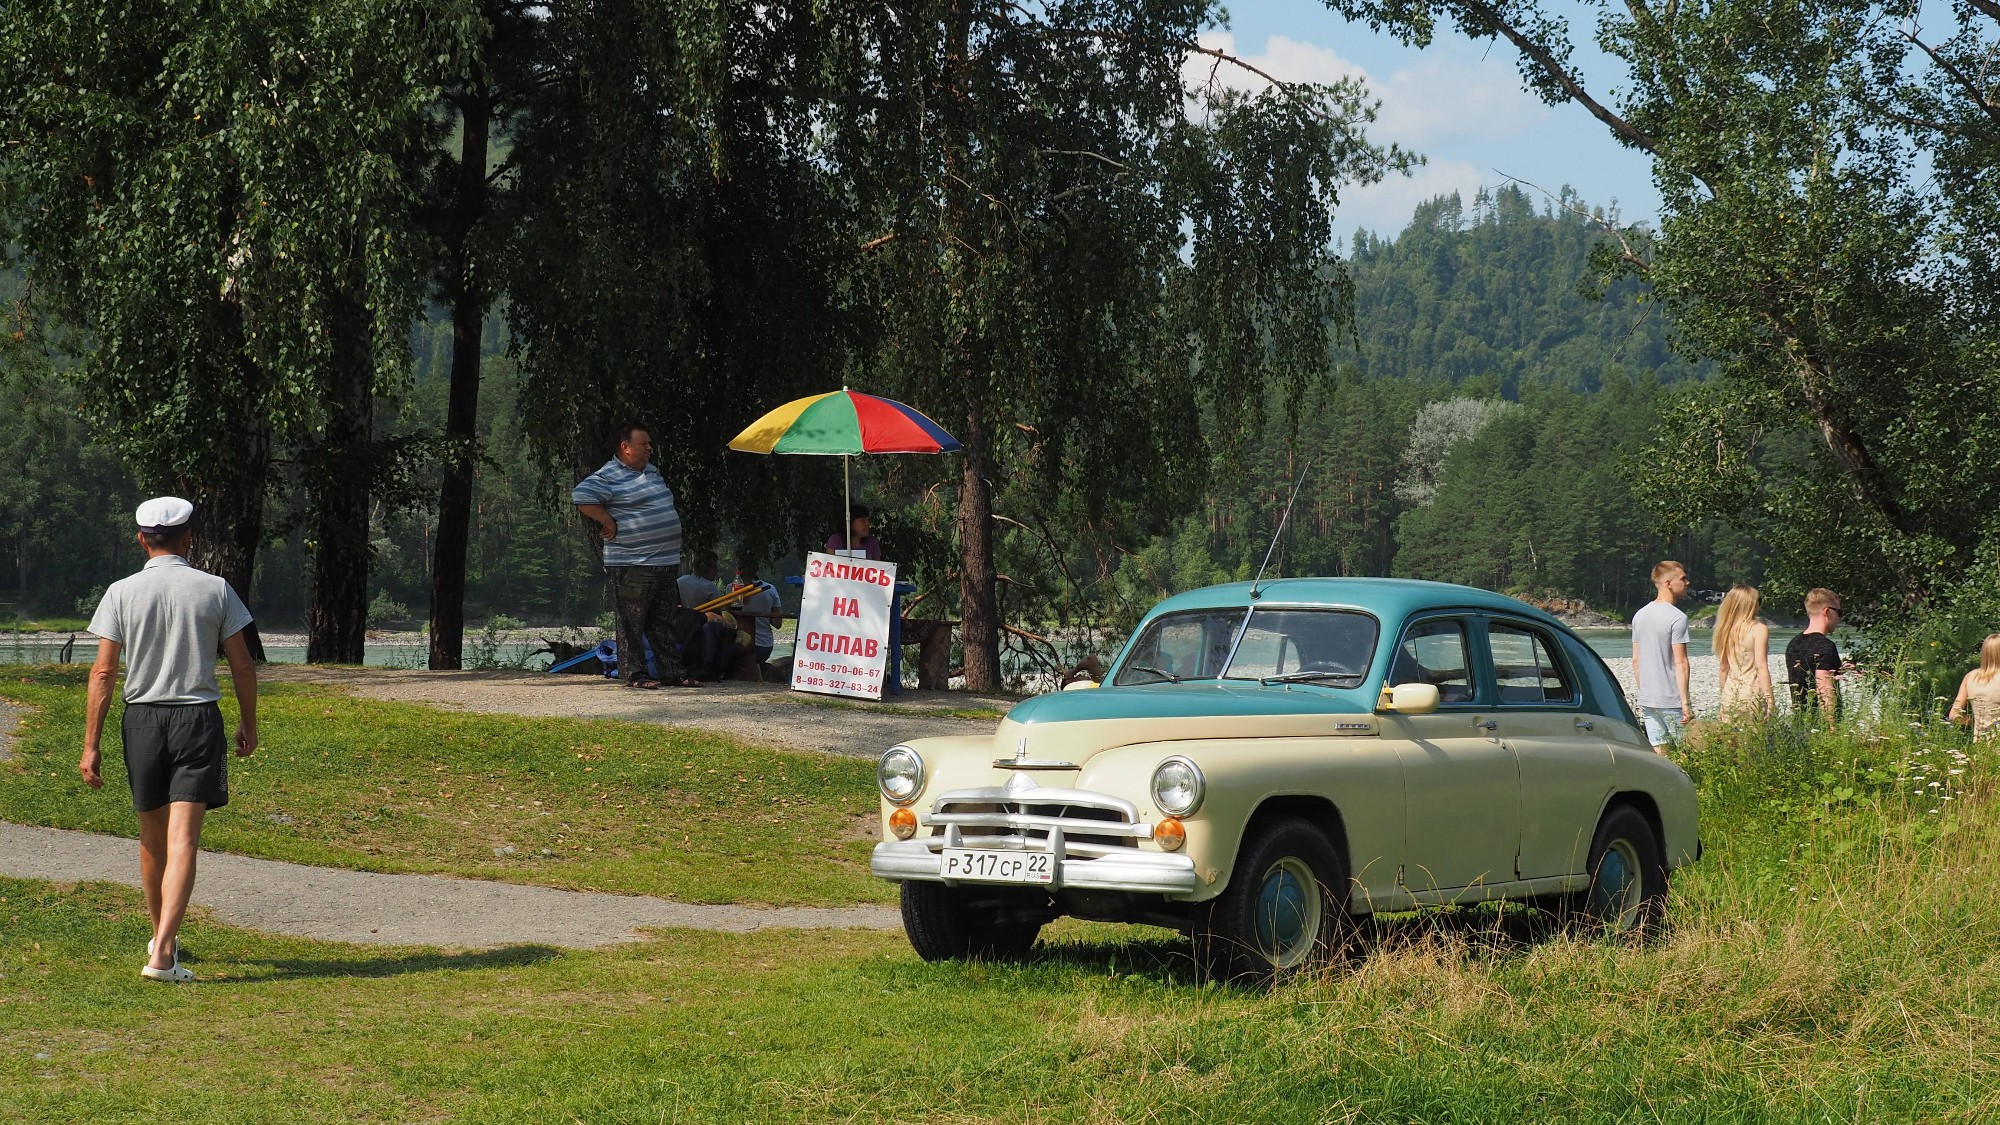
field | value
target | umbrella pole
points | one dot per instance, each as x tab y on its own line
847	498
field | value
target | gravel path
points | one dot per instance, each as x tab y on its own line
375	909
761	714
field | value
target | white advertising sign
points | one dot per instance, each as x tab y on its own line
843	638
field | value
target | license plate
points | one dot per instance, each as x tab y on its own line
985	866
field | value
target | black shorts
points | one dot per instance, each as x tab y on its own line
176	752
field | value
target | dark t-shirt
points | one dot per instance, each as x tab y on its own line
1807	654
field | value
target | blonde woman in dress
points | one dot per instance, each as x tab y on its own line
1981	690
1742	644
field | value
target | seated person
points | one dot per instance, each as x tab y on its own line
762	610
714	641
698	585
711	644
857	525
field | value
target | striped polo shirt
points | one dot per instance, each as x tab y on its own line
649	527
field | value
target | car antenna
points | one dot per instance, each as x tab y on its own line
1282	520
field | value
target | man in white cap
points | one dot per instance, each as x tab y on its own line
168	620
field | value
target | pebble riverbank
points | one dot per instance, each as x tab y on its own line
1705	683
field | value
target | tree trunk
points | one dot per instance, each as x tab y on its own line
340	484
229	519
468	319
979	606
228	496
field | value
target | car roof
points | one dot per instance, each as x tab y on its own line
1390	599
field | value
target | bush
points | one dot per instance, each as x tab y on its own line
386	612
1925	656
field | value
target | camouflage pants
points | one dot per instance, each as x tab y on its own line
646	600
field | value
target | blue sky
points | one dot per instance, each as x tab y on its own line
1458	102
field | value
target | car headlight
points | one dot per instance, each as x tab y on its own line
900	774
1177	786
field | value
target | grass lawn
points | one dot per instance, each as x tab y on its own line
591	805
1833	957
1865	990
44	625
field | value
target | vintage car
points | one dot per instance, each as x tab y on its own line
1265	764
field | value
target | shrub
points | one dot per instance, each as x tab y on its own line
386	612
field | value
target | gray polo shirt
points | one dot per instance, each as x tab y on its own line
170	618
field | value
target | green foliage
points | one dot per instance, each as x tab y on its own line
1825	167
224	205
1501	294
386	612
1926	653
678	242
1416	476
1090	274
66	507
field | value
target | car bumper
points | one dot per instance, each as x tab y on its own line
1140	872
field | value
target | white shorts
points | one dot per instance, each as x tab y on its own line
1663	724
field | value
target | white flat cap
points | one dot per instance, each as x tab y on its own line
163	512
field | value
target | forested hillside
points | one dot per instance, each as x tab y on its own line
1485	428
1492	292
1482	430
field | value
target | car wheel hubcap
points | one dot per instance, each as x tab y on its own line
1289	908
1618	890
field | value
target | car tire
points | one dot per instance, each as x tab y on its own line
1627	893
1285	909
943	926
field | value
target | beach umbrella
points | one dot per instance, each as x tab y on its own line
841	424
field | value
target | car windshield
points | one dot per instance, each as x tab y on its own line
1303	645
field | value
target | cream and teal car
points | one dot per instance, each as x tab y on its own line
1263	766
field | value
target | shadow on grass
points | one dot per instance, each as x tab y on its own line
1484	932
262	970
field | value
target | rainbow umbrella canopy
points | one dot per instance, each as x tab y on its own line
841	424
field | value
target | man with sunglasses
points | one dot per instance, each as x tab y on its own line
1812	660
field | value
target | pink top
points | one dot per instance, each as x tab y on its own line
837	543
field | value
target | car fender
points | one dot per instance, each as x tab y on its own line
1361	778
1641	771
950	762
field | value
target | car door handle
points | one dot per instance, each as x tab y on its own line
1585	724
1486	724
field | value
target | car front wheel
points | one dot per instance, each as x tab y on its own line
943	924
1628	880
1284	908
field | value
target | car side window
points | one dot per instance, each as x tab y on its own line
1525	668
1434	652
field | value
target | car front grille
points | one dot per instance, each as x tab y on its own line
1091	824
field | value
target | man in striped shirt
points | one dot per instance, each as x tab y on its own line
633	506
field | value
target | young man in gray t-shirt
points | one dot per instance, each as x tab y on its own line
1660	658
166	623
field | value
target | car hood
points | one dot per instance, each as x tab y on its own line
1077	726
1197	699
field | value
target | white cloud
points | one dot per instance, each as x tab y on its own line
1385	208
1446	106
1439	100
